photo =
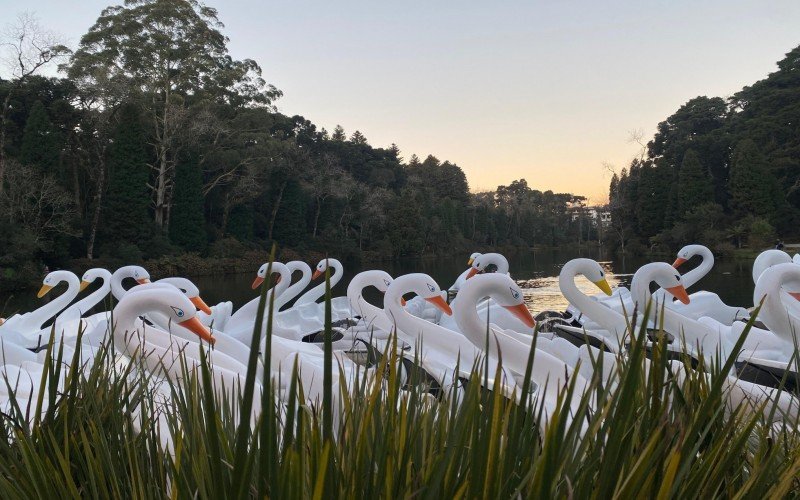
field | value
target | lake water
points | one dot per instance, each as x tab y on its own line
537	271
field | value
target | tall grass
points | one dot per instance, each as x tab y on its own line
658	429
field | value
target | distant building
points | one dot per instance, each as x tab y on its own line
596	214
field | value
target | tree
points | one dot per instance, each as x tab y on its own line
28	48
358	138
126	215
167	54
694	184
37	204
338	134
187	224
41	145
325	182
751	185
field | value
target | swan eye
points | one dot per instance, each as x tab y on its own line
431	287
387	282
514	293
178	312
677	277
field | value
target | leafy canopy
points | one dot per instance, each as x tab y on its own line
161	47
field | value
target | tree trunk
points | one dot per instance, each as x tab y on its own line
275	208
316	217
474	215
161	187
226	213
162	137
98	202
3	119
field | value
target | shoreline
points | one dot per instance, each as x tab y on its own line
194	265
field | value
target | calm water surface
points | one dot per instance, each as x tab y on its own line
537	272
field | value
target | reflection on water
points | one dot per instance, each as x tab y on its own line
536	272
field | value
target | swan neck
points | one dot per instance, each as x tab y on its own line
604	316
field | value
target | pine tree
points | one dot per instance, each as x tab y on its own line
358	138
651	199
694	184
290	225
41	143
126	216
187	221
751	185
338	134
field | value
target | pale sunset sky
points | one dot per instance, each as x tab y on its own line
542	90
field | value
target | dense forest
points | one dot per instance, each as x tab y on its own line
723	172
153	141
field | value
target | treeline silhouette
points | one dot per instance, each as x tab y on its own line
154	141
723	172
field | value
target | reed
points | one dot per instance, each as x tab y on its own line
656	429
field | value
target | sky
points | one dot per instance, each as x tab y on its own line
546	90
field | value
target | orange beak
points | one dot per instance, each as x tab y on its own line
257	282
195	326
679	292
796	295
678	262
523	314
143	281
317	274
441	304
472	272
200	304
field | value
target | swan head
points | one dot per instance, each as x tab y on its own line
664	275
173	303
488	263
190	290
472	258
138	273
90	276
423	286
506	293
261	275
687	252
592	271
51	281
383	281
322	266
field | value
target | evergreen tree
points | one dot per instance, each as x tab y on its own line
358	138
338	134
651	199
187	222
751	185
126	214
292	226
694	184
41	144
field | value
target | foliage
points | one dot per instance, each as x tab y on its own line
164	143
187	224
655	428
41	145
127	186
740	154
